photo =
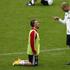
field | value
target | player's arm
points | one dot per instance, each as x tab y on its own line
65	19
32	41
61	20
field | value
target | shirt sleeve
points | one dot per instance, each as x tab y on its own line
32	41
62	21
65	19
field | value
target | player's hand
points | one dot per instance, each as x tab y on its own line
56	18
34	52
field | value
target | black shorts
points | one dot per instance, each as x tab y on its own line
44	2
33	59
68	40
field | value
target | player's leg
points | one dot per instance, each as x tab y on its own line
44	2
68	41
25	62
31	3
34	60
47	2
68	45
30	61
21	62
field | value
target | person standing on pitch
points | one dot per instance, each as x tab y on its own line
33	46
66	8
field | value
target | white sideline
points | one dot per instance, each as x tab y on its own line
49	50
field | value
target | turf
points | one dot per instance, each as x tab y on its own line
15	19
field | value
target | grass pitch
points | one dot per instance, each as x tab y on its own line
15	18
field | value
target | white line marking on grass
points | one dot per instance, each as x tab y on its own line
49	50
56	49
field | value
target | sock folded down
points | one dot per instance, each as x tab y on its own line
33	1
22	62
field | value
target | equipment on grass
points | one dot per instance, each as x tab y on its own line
47	2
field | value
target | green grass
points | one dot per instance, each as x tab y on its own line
15	18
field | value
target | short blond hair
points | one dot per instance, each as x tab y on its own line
64	4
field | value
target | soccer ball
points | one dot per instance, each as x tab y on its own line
50	2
